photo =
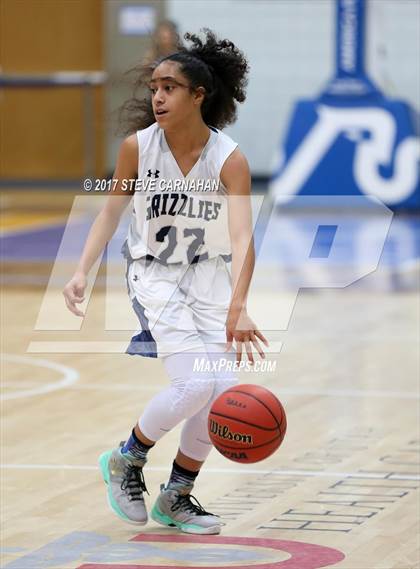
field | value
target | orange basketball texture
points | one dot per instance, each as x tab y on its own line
247	423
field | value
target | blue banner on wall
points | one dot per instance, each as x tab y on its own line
352	140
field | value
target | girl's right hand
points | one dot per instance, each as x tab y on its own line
73	293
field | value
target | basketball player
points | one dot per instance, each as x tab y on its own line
178	247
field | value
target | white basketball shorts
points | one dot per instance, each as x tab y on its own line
180	307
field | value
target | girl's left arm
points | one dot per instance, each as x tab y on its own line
235	176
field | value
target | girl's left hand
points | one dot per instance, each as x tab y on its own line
241	328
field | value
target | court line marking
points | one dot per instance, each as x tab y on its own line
353	393
70	377
284	391
243	471
102	347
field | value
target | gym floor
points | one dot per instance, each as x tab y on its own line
342	489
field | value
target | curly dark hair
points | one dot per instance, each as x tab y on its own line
217	65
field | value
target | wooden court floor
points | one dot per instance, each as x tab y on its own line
342	491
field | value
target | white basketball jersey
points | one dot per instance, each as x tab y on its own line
177	218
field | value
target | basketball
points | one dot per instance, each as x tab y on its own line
247	423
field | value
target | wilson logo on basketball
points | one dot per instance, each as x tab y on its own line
224	432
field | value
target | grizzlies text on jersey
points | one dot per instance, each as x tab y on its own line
177	218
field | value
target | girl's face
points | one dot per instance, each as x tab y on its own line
172	100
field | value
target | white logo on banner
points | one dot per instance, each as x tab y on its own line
370	154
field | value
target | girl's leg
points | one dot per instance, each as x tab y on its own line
187	393
195	441
174	506
122	468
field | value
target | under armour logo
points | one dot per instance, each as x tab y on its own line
150	173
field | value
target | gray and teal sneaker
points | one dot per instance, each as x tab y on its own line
125	481
174	508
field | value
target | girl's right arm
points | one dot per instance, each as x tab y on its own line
105	224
